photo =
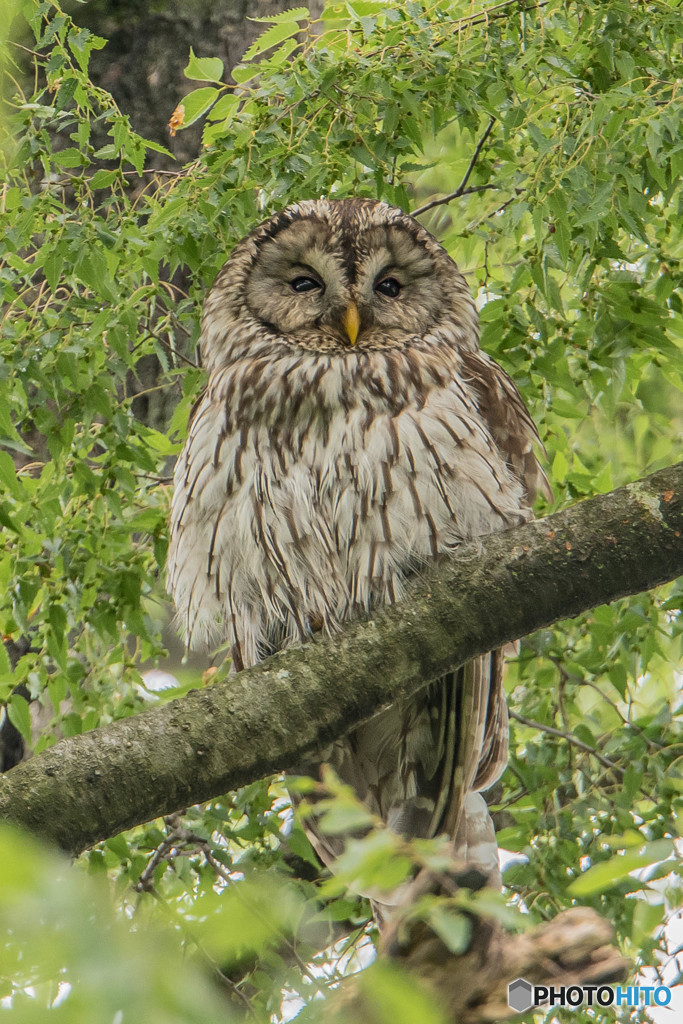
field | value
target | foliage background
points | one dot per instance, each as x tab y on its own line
568	227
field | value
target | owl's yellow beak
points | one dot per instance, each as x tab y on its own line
351	322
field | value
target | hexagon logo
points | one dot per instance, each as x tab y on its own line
519	995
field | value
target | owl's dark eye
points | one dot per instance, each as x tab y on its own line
389	287
305	284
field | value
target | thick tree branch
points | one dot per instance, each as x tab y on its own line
280	713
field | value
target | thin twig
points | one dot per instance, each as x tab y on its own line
156	479
569	738
169	348
484	17
453	195
462	188
223	979
144	882
154	170
180	835
20	46
563	711
569	677
319	986
176	838
626	721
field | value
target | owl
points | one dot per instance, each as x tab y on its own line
352	431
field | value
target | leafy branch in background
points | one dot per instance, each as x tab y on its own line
566	218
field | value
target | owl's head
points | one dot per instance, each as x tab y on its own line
331	276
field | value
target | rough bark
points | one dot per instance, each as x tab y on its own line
280	713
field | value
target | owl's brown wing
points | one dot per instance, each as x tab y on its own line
507	418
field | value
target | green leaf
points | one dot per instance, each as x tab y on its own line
58	620
343	817
7	521
119	846
338	910
56	688
92	269
394	997
365	8
83	42
562	238
20	715
8	475
148	144
204	69
225	108
453	928
560	468
57	650
160	443
5	665
299	843
52	266
293	14
70	157
102	178
261	909
197	103
369	862
271	37
603	876
647	918
243	74
368	25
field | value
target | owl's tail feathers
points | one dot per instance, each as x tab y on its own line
475	863
475	841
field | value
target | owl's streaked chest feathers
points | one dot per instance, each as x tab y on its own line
311	484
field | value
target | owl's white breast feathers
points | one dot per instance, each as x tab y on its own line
309	490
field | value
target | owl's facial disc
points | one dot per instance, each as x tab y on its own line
296	280
328	286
